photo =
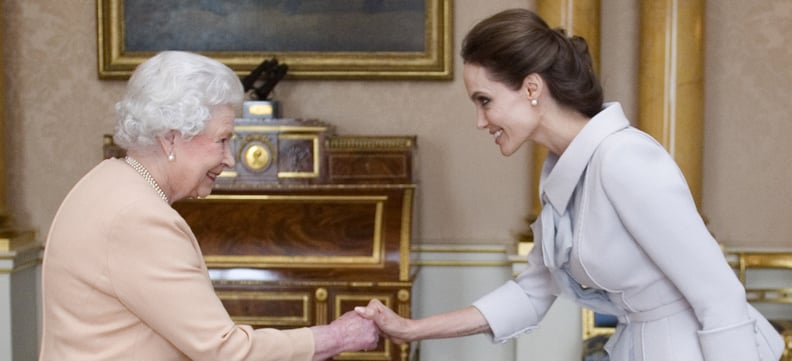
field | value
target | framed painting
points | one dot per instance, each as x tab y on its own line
317	39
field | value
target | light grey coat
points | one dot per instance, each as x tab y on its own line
620	233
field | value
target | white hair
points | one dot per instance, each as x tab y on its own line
174	90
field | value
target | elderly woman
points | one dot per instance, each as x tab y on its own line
123	275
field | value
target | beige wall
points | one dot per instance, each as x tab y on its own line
57	111
748	81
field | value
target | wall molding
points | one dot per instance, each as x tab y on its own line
460	255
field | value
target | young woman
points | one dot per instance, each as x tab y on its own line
618	232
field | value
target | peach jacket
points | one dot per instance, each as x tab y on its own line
619	233
124	279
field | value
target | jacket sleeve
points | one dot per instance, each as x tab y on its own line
653	201
516	307
158	272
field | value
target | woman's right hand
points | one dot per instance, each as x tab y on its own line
391	325
462	322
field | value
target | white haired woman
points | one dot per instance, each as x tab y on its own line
123	275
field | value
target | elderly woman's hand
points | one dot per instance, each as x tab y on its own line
357	332
350	332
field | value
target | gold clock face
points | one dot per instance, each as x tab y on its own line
257	156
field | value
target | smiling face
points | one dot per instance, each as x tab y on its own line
506	113
202	158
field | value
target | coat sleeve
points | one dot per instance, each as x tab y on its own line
516	307
653	201
158	272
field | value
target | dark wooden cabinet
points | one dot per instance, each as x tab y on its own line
302	246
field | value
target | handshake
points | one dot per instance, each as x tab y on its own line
359	330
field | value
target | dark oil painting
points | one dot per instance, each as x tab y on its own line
275	25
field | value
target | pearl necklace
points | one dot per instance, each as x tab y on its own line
147	176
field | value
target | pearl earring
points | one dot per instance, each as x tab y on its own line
534	102
170	156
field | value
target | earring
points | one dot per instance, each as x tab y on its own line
170	156
534	102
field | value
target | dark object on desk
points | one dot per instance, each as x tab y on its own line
265	66
263	79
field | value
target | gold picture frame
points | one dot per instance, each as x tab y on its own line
591	326
434	62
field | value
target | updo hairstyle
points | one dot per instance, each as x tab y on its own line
174	90
515	43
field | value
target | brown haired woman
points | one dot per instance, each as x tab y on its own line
619	232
